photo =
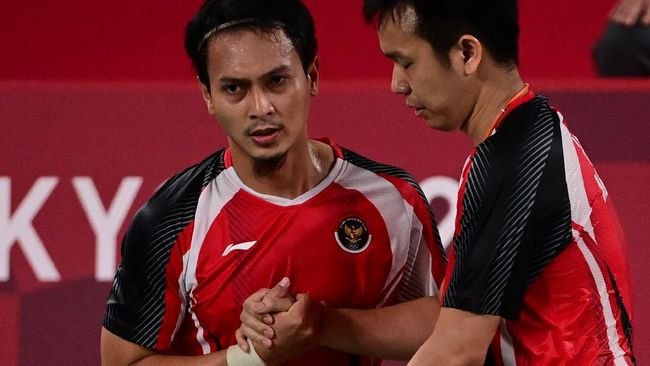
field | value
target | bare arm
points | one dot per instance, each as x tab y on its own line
116	351
393	332
459	338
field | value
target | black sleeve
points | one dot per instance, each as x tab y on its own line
515	216
137	302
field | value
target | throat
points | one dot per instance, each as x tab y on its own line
266	168
289	175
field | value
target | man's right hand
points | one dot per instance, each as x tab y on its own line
258	313
280	327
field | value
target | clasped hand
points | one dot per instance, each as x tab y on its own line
281	327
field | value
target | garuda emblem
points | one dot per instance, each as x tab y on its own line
353	235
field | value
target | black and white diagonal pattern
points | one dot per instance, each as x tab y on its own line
530	167
170	210
513	189
473	198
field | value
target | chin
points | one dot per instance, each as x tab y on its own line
439	125
270	154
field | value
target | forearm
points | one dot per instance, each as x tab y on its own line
212	359
116	351
460	338
393	332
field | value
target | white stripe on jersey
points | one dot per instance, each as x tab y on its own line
507	347
205	347
580	207
581	214
610	320
423	260
212	199
385	197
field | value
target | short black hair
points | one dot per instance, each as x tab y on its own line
442	22
267	15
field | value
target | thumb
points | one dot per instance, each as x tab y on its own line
281	290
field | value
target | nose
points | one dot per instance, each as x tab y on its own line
399	84
261	103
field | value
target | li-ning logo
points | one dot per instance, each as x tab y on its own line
353	235
239	246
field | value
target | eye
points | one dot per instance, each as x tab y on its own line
406	65
277	80
231	88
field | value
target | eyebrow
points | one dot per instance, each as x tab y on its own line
395	55
277	70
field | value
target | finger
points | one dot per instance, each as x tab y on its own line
265	343
241	340
256	337
275	299
303	301
253	322
274	305
281	289
267	319
256	298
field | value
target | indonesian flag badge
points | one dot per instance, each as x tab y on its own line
353	235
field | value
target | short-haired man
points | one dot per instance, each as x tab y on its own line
274	206
538	272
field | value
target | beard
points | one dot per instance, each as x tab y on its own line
265	167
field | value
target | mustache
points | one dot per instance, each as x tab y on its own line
263	124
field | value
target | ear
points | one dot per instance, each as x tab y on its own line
468	54
313	72
207	97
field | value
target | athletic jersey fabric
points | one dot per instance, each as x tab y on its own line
538	243
362	238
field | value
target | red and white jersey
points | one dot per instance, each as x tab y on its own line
538	243
364	237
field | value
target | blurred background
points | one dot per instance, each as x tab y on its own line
99	105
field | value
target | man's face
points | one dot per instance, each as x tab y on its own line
259	92
436	92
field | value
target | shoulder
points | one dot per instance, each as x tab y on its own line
523	139
173	205
527	121
399	177
183	186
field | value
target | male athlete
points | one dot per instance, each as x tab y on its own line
538	273
273	206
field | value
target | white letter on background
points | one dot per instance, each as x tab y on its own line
18	229
447	189
106	224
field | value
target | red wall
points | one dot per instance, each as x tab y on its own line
137	40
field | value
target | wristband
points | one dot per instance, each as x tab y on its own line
236	357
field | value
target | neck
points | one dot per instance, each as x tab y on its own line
298	171
492	99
